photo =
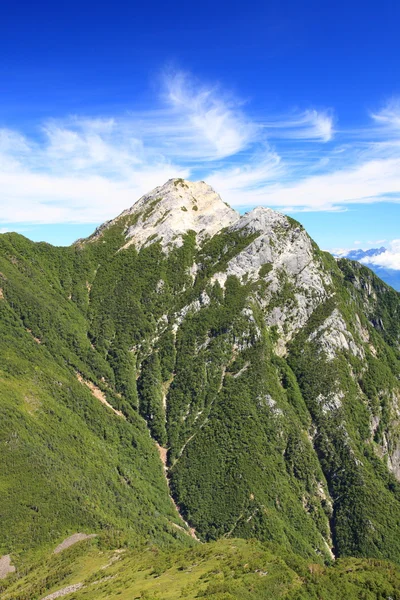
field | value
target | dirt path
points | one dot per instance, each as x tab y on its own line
73	539
64	591
5	566
97	393
190	530
37	340
165	388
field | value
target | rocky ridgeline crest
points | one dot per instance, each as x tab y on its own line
282	252
169	211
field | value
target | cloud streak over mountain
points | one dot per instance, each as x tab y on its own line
83	169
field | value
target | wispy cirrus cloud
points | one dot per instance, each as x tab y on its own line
365	182
362	167
209	116
309	125
389	115
83	169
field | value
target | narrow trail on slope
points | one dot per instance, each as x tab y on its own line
64	591
97	393
190	530
73	539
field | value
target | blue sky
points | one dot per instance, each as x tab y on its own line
294	105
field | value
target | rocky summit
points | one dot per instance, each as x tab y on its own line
209	385
170	211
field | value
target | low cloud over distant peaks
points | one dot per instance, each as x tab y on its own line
390	258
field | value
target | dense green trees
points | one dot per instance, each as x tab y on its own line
151	398
286	448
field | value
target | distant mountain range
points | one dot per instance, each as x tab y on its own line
390	276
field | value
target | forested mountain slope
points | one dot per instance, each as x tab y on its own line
266	369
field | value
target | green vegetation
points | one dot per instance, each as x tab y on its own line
68	463
151	398
180	182
285	447
224	570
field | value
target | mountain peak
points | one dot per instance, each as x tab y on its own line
261	219
171	210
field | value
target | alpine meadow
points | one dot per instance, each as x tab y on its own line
210	398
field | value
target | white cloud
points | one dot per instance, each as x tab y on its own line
309	125
339	252
82	169
367	182
245	183
42	198
389	115
321	124
204	113
389	259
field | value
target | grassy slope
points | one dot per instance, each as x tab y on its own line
256	470
224	570
68	463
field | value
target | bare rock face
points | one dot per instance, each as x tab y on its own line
333	335
282	255
173	209
282	245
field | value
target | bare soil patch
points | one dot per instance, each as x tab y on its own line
97	393
5	566
73	539
64	591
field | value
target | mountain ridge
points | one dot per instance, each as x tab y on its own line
171	210
391	276
266	370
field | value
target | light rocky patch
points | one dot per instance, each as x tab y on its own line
32	403
242	370
165	389
268	402
279	243
390	446
97	393
114	558
289	254
333	336
5	566
193	307
73	539
362	331
168	212
330	402
394	461
64	591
